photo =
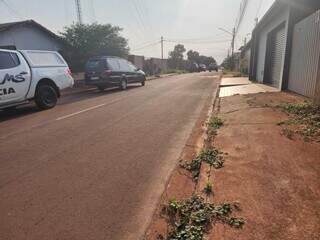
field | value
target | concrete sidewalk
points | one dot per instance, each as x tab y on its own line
242	85
276	180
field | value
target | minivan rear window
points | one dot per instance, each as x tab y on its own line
93	64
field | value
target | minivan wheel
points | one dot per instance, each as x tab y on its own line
143	83
46	97
101	89
123	84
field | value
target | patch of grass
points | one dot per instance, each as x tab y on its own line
193	217
305	116
177	71
215	123
208	188
211	156
288	133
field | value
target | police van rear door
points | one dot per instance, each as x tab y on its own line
14	77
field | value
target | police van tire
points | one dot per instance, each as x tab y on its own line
46	97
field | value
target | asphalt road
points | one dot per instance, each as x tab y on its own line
95	166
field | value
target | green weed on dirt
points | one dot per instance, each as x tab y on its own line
304	119
211	156
208	188
193	217
215	123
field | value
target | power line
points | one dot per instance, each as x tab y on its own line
200	42
78	10
12	10
258	11
243	7
140	25
146	46
139	15
93	13
142	6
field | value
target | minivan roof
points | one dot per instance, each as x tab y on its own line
102	57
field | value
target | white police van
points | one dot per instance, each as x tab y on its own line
32	75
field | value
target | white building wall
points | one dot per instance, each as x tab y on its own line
262	42
28	38
304	66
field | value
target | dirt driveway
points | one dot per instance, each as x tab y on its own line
276	180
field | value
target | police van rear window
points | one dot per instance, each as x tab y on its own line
45	58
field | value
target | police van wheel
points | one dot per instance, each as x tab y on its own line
46	97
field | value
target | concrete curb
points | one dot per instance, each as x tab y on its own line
195	143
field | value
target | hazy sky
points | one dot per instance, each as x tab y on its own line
193	23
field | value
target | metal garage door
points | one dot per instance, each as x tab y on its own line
277	48
305	56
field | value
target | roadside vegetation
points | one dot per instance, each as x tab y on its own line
193	217
208	189
176	71
304	120
212	156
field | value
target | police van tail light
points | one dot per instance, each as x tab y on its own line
69	72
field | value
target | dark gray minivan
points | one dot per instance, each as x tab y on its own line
104	72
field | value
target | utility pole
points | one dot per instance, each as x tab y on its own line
79	11
233	34
162	47
233	40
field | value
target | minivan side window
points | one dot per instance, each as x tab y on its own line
8	60
132	67
124	66
113	64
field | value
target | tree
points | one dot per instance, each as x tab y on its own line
176	57
228	63
193	56
88	40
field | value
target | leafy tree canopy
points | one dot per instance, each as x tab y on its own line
87	40
194	56
177	53
176	57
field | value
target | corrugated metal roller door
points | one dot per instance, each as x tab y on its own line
277	47
305	56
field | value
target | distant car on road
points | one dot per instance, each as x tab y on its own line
32	75
106	71
213	67
202	67
194	67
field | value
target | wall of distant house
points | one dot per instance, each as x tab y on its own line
262	42
28	38
138	61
